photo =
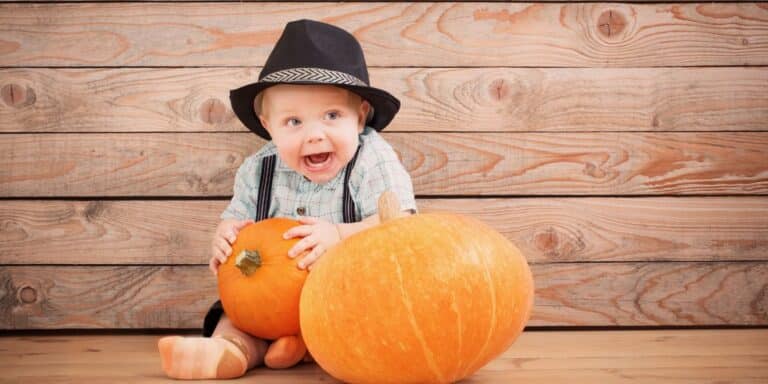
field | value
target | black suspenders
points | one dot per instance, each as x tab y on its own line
265	189
348	204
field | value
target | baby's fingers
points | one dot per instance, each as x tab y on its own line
240	224
311	257
213	265
308	219
224	249
230	237
217	258
298	231
302	245
230	232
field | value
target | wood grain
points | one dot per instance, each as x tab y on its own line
122	164
107	232
585	163
580	294
652	294
433	99
547	230
669	356
506	164
394	34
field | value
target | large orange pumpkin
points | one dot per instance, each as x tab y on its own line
259	285
428	298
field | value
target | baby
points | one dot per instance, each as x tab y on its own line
324	164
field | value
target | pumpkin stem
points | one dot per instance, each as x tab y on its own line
248	261
389	206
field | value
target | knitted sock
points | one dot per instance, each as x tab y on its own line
202	357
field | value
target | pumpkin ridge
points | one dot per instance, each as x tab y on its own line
459	338
492	327
428	354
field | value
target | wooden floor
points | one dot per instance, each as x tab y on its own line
637	356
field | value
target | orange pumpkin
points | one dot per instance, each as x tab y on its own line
259	285
425	298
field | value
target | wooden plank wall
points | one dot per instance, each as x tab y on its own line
623	147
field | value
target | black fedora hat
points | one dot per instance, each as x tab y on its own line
311	52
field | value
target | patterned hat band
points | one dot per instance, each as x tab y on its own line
317	75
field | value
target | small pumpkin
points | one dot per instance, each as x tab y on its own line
428	298
259	285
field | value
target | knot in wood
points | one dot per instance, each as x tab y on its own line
611	23
15	95
546	241
593	170
94	210
498	89
558	245
212	111
28	295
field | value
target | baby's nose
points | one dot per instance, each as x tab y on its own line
315	139
315	134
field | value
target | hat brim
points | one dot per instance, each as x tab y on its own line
385	105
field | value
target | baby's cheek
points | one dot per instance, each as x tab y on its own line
293	160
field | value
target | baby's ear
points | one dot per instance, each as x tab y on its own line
362	117
263	122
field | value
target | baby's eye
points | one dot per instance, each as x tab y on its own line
332	115
293	122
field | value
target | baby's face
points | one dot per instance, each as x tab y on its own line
314	127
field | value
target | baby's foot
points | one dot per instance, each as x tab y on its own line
201	358
285	352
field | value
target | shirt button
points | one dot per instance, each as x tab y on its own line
301	210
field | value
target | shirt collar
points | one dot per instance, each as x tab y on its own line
281	166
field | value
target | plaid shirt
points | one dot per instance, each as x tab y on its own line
377	169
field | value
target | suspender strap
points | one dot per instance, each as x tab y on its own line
265	187
348	204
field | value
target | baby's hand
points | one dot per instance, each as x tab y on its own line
318	235
225	235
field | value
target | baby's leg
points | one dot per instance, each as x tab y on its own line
227	354
254	348
285	352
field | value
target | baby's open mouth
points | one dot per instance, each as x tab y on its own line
317	160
